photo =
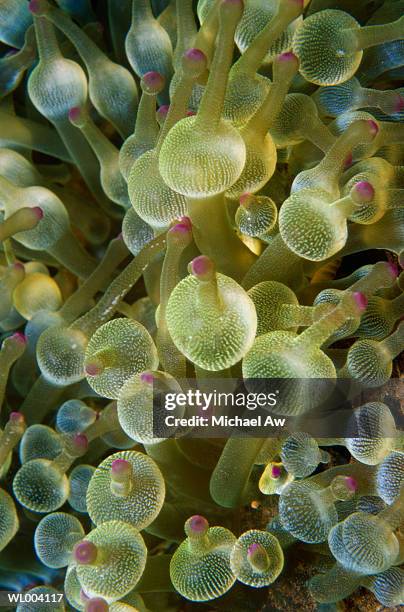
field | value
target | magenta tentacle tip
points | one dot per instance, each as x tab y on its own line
186	221
34	6
180	228
351	483
153	82
38	211
92	369
288	56
276	471
80	442
374	127
365	191
198	524
245	198
19	337
361	300
147	377
348	161
162	111
393	268
195	55
83	595
201	266
399	105
253	549
194	60
96	604
85	552
74	113
16	418
152	77
120	467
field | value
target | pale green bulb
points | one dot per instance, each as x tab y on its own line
9	522
128	485
200	567
55	537
199	163
213	322
118	561
135	403
117	350
256	558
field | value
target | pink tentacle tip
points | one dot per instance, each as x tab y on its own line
121	467
162	111
361	300
351	483
147	377
202	266
19	337
253	549
18	266
195	55
186	221
365	191
85	552
245	198
374	127
191	113
83	595
348	161
276	471
399	105
92	369
152	77
96	604
74	113
16	418
38	211
198	523
153	81
180	228
80	442
288	56
393	268
34	6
